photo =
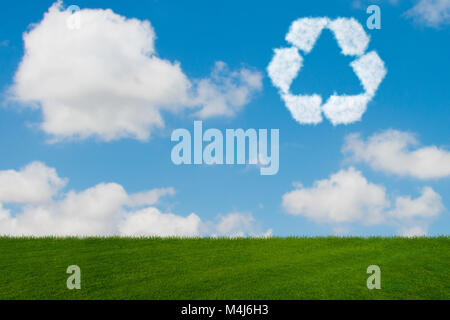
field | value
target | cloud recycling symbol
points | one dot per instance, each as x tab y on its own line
353	41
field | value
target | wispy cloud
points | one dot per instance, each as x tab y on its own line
397	152
236	224
225	92
432	13
429	13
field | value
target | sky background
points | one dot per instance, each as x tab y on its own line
413	97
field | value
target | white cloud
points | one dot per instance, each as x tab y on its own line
341	230
101	210
345	109
94	211
370	70
347	197
413	232
225	92
357	4
151	221
413	216
427	205
287	62
390	151
304	32
236	224
150	197
105	79
304	109
284	67
106	209
432	13
350	35
34	183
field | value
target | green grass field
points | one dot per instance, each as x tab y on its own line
275	268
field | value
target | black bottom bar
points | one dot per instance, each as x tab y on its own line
223	309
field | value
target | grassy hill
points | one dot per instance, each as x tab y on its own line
276	268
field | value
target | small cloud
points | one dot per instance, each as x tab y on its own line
150	197
235	224
356	4
225	92
431	13
341	230
427	205
396	152
34	183
413	232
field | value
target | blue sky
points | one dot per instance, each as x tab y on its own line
413	99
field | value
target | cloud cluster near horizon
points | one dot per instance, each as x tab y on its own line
107	80
40	207
347	197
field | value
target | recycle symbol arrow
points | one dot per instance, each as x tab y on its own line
353	41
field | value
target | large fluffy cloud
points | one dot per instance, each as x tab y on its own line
391	151
106	79
42	208
348	197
